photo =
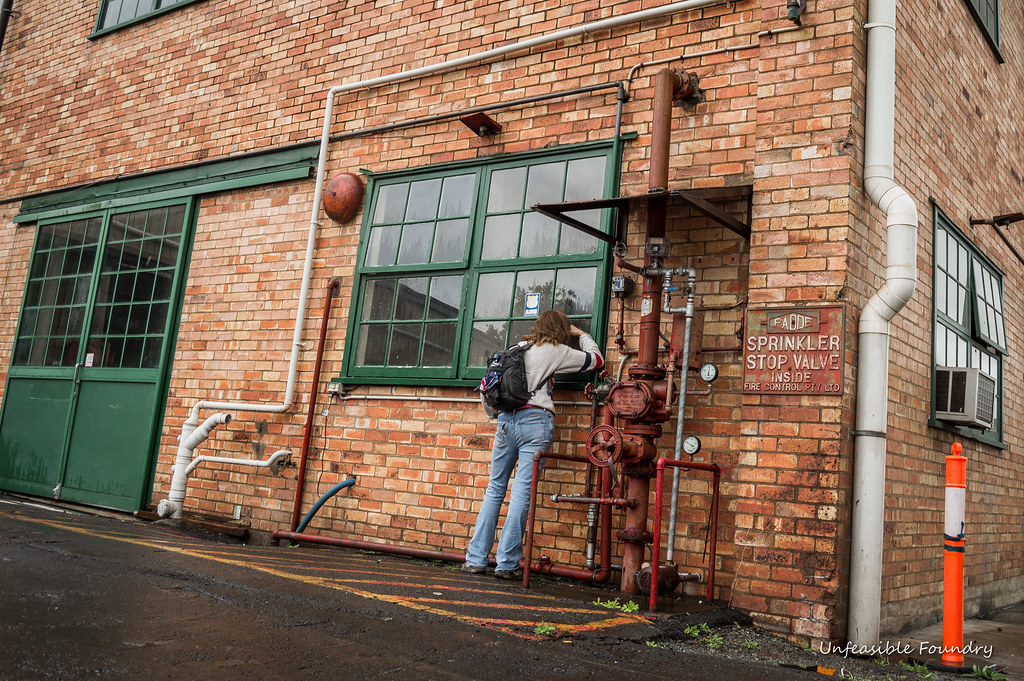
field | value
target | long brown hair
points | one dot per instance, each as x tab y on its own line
551	327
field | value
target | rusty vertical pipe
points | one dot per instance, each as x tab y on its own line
332	287
666	82
635	535
530	518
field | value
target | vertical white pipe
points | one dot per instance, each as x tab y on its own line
873	335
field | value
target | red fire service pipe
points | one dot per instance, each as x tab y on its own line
716	472
544	567
300	479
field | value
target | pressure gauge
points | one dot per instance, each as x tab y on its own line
691	445
709	372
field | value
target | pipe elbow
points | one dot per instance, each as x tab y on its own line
199	435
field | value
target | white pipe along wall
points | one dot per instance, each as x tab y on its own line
314	221
870	440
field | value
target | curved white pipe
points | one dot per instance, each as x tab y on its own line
273	462
192	435
870	441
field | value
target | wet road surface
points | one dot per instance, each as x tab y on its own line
88	597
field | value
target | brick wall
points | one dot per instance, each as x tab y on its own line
215	79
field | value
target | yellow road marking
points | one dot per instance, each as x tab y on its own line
420	603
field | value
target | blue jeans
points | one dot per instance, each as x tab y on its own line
520	434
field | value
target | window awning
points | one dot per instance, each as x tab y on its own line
703	200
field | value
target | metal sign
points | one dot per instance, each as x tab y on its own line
794	351
532	305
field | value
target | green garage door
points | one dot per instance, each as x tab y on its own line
84	392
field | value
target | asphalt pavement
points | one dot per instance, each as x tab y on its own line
106	597
86	596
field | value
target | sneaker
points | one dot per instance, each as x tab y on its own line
472	569
509	574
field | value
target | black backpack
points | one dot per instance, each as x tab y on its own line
505	387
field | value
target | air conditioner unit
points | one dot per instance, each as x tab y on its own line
965	396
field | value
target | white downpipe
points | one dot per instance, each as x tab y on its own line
873	335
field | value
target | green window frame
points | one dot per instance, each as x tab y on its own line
115	14
121	265
986	14
969	319
454	265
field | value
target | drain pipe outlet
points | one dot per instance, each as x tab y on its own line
275	462
192	435
870	439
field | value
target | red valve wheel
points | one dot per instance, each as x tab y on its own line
604	445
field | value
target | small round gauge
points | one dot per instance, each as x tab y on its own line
691	445
709	372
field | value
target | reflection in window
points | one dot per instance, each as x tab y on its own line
453	267
134	290
116	12
56	294
425	310
513	230
421	222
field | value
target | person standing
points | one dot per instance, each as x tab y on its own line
519	435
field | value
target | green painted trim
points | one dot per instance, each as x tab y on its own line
992	436
97	31
248	170
462	374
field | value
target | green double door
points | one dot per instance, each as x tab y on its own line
85	390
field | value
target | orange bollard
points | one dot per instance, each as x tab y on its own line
953	564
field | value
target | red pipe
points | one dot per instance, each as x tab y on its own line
426	554
609	501
604	569
332	286
716	472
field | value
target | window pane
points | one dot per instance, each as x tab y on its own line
457	196
487	338
411	298
545	184
450	241
390	203
537	281
423	199
575	241
574	294
494	294
378	298
416	243
506	191
445	298
439	345
540	236
585	179
518	329
373	344
383	246
501	237
404	350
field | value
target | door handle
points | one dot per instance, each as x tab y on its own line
76	380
